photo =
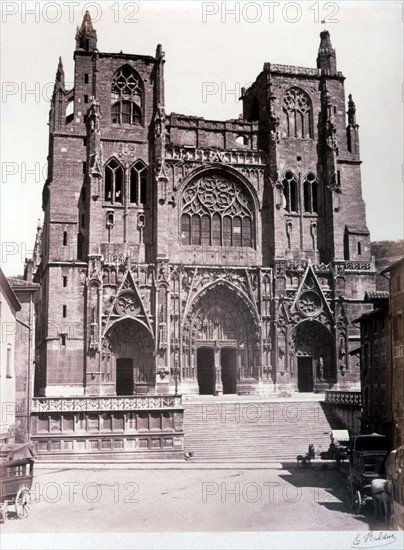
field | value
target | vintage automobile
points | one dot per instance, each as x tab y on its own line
395	477
367	457
16	475
338	448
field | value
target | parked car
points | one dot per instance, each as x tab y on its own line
395	476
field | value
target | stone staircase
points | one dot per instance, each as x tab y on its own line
239	429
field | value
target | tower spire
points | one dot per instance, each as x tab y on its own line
86	36
60	74
326	58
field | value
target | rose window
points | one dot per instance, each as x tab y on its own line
309	303
127	304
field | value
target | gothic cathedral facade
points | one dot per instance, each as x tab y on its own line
192	256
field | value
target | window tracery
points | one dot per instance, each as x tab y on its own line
298	110
216	211
310	188
126	97
290	192
297	195
138	183
114	183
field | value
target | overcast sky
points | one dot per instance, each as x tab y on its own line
201	47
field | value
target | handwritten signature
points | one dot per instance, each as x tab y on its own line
373	540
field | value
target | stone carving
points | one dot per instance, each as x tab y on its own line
159	121
126	151
94	335
351	111
94	116
96	169
331	133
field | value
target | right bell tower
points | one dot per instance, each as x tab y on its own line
314	206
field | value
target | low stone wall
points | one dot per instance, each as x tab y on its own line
108	428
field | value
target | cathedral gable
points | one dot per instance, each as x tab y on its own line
127	303
310	302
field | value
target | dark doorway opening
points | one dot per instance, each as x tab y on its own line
229	370
206	371
305	374
124	377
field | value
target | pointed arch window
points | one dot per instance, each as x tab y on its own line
186	229
298	111
217	211
113	182
290	192
255	110
138	183
310	194
126	97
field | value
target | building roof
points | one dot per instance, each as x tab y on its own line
392	266
8	291
373	295
18	282
357	229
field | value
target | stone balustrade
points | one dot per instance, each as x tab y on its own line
103	403
343	397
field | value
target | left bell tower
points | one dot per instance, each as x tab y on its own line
61	334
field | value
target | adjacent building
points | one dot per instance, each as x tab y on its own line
395	273
376	367
381	354
9	308
24	354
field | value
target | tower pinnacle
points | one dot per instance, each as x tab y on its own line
326	59
86	36
60	74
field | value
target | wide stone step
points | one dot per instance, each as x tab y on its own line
220	429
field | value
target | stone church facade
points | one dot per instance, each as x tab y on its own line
190	256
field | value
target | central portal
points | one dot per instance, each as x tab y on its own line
229	370
206	371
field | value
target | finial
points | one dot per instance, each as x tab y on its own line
159	52
351	111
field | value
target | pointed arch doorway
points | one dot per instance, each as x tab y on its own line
206	370
131	345
223	341
312	347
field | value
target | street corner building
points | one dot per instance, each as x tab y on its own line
180	255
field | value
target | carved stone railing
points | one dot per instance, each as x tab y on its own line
291	69
229	156
81	404
342	397
359	266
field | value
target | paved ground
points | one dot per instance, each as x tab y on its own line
184	497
